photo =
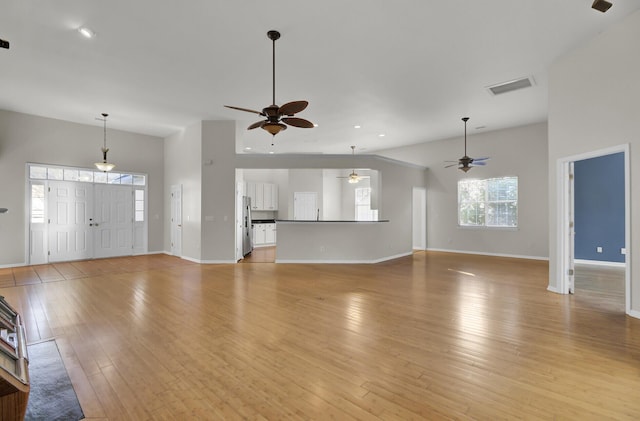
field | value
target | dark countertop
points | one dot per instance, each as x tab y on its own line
337	220
263	221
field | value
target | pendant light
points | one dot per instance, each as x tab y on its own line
104	165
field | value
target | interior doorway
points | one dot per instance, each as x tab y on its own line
566	272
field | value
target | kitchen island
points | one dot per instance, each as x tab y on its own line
334	241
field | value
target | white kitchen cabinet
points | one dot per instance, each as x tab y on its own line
264	235
264	196
270	233
259	234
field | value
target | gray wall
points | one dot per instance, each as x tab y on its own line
521	152
593	105
27	138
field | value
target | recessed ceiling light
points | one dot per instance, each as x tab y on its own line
315	125
356	126
248	148
271	152
381	135
86	32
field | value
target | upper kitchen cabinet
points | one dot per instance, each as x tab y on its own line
264	196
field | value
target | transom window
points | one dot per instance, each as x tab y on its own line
40	172
491	202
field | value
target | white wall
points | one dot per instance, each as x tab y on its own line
183	161
27	138
521	152
594	103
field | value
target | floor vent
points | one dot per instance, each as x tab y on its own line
512	85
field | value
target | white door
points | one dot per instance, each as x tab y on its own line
176	220
38	244
113	220
419	218
69	205
305	206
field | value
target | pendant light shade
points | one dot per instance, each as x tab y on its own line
104	165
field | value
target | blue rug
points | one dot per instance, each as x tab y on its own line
52	397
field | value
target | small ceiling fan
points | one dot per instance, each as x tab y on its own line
466	162
353	177
277	118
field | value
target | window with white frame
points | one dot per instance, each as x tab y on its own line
488	203
363	205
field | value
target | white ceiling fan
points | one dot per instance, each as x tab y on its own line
353	177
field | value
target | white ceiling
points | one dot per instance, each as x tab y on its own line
407	68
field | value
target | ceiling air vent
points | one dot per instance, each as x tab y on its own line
512	85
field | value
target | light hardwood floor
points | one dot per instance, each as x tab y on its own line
430	336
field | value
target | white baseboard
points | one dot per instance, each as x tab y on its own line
513	256
344	262
554	289
13	265
600	263
634	313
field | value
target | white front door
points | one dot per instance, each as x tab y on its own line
419	218
176	220
113	220
70	209
305	206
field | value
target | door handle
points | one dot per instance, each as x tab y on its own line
96	224
90	225
180	225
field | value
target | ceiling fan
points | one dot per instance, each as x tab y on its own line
466	162
354	177
277	118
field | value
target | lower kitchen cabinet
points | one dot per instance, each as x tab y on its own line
264	235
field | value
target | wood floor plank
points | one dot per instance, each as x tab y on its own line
429	336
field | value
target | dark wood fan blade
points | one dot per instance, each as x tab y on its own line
290	108
244	109
480	159
477	164
452	165
256	125
298	122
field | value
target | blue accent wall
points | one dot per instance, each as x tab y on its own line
599	208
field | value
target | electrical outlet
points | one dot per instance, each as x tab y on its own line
321	249
599	249
623	250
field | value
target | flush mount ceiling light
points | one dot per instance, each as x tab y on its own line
86	32
601	5
104	165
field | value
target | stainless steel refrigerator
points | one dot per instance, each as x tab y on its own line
247	231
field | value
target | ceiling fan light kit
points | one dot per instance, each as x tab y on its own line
277	118
104	166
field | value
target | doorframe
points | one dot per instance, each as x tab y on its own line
178	232
564	196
